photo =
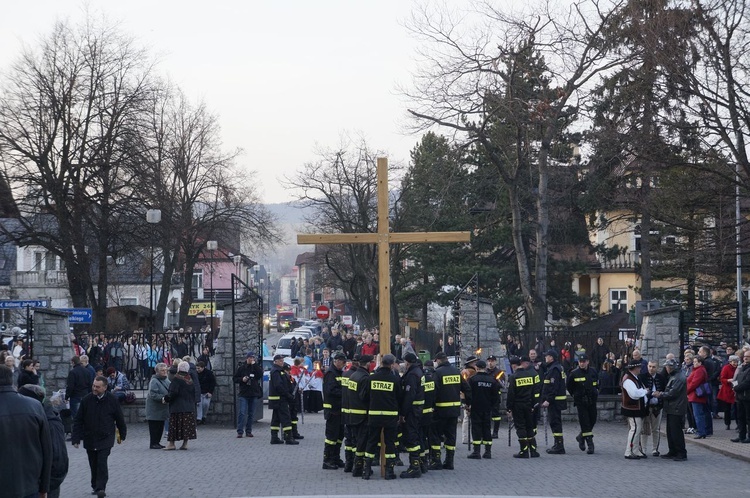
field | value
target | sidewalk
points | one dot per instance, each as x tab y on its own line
720	442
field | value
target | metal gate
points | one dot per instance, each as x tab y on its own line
709	325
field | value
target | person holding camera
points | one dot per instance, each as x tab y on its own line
249	377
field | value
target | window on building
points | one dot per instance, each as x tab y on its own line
128	301
197	279
618	300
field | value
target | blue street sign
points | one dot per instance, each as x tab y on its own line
39	303
77	315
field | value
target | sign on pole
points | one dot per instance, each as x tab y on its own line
322	312
346	319
78	315
37	303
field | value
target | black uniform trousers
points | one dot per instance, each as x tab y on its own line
334	429
359	437
411	435
425	428
443	429
675	436
98	466
481	427
554	413
586	418
294	407
523	418
350	442
373	440
280	418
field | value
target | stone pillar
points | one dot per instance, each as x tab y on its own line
661	333
489	334
52	347
576	285
594	286
246	338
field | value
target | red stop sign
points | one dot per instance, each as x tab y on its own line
322	312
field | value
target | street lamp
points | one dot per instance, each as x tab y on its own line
153	216
212	245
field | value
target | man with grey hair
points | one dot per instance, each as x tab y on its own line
675	402
381	392
26	458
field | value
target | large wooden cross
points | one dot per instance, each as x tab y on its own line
383	238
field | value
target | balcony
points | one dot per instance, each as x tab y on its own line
626	261
45	278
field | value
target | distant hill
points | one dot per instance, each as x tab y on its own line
290	221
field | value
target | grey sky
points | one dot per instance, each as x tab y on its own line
284	76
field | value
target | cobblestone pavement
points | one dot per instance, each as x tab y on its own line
220	465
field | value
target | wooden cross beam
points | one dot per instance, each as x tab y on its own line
383	238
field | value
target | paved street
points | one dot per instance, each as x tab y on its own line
219	465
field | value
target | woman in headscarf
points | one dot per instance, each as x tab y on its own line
181	399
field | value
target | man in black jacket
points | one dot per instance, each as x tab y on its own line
448	388
207	382
412	385
26	456
358	411
249	376
57	438
95	423
78	385
280	395
653	381
524	388
554	398
583	386
484	397
381	392
332	393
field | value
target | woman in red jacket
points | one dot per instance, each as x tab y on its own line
697	378
725	397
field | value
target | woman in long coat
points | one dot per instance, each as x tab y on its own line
181	399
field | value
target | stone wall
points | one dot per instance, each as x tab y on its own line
660	333
52	347
489	334
247	338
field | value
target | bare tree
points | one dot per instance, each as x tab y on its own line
512	85
67	113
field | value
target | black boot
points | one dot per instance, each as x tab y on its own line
359	463
367	469
349	460
435	463
289	438
275	438
328	462
414	469
423	464
398	461
590	443
524	453
448	463
558	448
474	455
495	429
390	464
533	453
295	433
487	452
581	442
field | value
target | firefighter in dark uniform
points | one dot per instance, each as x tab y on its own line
295	403
425	424
358	410
484	394
448	388
583	386
499	376
350	444
412	404
279	397
381	392
554	398
523	396
332	392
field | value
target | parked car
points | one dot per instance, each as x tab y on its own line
284	346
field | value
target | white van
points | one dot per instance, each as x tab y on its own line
284	346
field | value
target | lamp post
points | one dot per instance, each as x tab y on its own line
212	245
153	216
